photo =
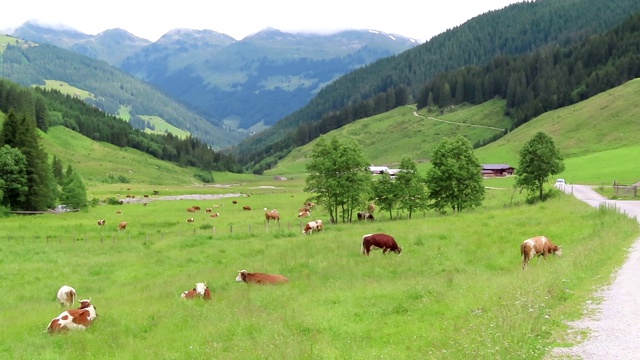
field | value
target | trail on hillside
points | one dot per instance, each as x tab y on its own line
415	113
612	324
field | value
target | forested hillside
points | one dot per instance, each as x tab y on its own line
516	29
26	180
113	88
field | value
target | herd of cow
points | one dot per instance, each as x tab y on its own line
83	317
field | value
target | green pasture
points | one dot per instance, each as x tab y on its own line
67	89
163	127
6	40
388	137
456	292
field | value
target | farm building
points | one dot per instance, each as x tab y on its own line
377	170
491	170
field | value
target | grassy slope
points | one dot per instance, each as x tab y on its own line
388	137
597	137
67	89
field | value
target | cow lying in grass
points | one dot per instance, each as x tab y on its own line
260	278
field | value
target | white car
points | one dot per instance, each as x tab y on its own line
560	183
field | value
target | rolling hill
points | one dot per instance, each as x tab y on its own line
602	130
111	89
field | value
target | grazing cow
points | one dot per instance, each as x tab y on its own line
538	245
371	208
191	209
312	225
74	319
101	222
201	290
304	214
67	296
190	220
197	208
379	241
260	278
122	226
208	210
246	207
365	216
215	215
235	202
272	215
304	209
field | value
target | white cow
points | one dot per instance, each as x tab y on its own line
312	225
67	296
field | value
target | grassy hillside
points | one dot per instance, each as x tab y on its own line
67	89
388	137
597	137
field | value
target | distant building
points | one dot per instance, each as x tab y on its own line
377	170
493	170
280	178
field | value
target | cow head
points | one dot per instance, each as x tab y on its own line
200	287
242	276
399	251
556	250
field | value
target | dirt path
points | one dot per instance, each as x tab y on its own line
415	113
181	197
614	324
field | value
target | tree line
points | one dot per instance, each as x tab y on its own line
340	178
501	35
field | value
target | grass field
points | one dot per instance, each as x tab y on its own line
452	294
162	127
67	89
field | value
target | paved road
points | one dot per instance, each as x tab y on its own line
614	325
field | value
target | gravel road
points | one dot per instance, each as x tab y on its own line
614	324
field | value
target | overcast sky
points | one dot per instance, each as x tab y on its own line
419	19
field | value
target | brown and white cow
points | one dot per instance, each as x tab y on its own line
371	208
311	226
74	319
246	207
304	214
190	220
201	290
536	246
122	226
379	241
191	209
67	296
101	222
260	278
365	216
214	215
196	208
208	210
272	215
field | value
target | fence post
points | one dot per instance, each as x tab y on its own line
249	228
230	229
213	229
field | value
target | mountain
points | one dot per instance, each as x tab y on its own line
109	89
246	84
112	45
516	29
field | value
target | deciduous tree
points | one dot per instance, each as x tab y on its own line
455	180
339	176
539	160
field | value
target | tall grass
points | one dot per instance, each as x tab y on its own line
457	291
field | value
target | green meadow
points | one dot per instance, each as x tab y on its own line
456	292
67	89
